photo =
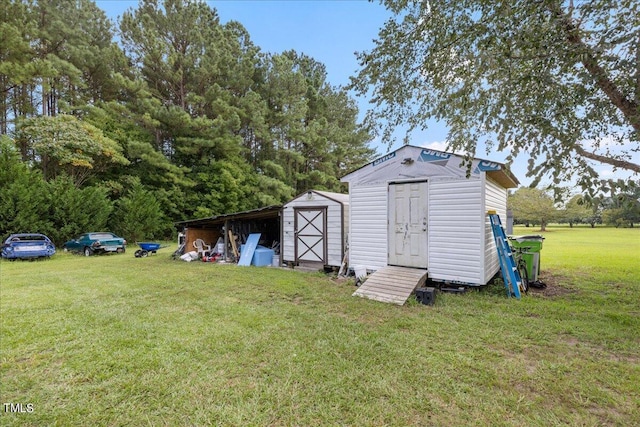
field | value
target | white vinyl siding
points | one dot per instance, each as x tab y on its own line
455	231
368	226
495	199
335	232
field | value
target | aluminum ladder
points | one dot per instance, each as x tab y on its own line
510	275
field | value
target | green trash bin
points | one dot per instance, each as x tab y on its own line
530	247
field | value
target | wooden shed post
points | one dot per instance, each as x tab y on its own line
226	240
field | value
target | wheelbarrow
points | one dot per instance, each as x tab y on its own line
147	248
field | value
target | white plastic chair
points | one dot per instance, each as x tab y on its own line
202	248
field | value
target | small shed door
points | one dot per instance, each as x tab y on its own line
310	232
407	234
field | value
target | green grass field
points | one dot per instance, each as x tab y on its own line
124	341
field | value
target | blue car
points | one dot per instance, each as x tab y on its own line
96	243
27	246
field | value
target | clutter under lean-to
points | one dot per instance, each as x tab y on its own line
245	251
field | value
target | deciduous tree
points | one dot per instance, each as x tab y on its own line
622	210
65	144
556	80
532	205
576	211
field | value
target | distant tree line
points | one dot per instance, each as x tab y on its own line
532	206
181	117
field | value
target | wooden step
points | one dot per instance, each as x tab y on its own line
392	284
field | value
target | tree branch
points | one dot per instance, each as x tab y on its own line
623	164
628	107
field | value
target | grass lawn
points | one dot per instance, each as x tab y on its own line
124	341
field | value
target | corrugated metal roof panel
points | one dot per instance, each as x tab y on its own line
260	213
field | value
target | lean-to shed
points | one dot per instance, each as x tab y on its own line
265	221
314	229
415	207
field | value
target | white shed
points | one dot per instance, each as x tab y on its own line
314	228
415	207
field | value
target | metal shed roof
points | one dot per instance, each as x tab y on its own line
338	197
411	161
268	212
341	198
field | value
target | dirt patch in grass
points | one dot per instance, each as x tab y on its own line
342	280
557	286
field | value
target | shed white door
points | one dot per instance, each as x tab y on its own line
310	227
407	232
